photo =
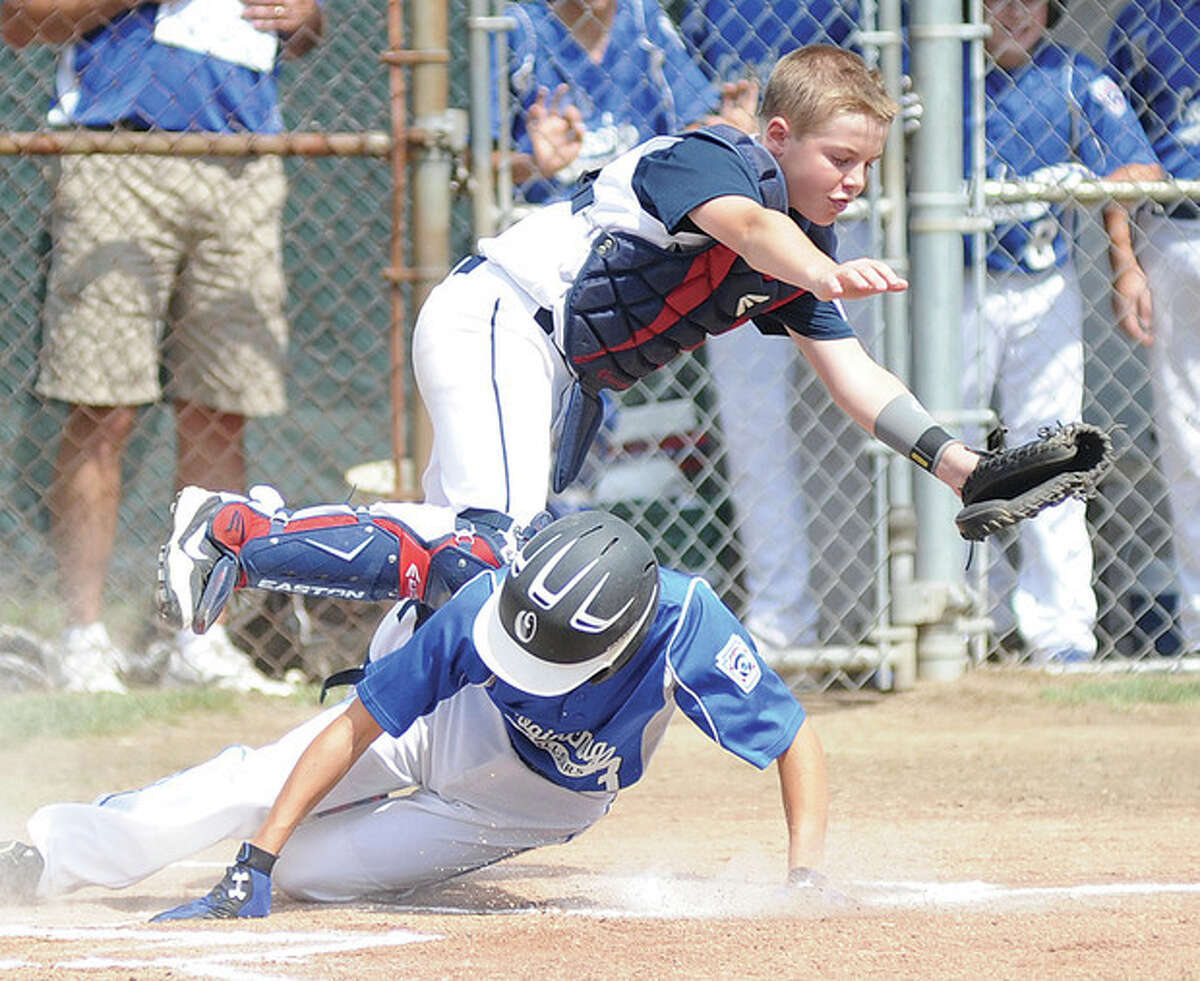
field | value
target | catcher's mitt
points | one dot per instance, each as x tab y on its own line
1011	485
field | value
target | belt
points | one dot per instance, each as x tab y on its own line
543	315
466	265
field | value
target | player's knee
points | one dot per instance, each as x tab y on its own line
237	523
311	881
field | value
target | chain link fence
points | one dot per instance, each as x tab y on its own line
742	469
336	230
733	460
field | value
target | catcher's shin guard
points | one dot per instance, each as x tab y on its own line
357	553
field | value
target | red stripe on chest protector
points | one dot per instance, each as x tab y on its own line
703	277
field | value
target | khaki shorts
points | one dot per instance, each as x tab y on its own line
171	260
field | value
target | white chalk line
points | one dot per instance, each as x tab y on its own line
659	897
983	893
228	952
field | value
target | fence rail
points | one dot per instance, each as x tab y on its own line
824	553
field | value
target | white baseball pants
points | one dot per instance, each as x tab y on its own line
470	801
493	384
755	384
1026	360
1171	258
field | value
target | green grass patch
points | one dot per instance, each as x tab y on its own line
1132	690
77	716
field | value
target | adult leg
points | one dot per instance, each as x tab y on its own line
755	386
112	268
84	500
225	354
1040	383
211	448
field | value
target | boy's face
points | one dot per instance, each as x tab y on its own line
826	168
1017	26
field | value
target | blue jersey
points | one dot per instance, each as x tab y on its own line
696	658
1056	113
119	74
734	37
1155	48
646	83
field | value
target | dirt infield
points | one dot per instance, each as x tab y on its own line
979	829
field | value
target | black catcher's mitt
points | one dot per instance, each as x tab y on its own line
1011	485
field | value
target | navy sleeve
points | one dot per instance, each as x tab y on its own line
672	181
823	320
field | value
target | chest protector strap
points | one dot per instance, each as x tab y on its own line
619	325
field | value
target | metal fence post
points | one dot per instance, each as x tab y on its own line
937	203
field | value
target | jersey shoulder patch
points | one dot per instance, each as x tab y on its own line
737	662
1106	92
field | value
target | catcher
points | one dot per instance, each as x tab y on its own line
513	718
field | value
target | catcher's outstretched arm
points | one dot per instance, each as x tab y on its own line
879	402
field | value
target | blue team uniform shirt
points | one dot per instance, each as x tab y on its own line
118	74
645	85
696	658
1155	48
1057	110
733	36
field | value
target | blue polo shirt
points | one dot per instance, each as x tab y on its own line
119	74
646	83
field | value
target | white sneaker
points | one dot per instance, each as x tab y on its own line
89	661
213	659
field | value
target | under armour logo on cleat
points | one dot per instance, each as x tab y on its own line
237	892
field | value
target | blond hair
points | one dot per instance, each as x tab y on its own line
811	85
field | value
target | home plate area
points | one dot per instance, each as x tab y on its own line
128	947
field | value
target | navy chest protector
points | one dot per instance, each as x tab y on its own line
634	306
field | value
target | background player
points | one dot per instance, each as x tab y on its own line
515	715
592	79
682	237
1156	49
1048	110
758	384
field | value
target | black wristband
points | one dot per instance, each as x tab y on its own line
256	858
930	447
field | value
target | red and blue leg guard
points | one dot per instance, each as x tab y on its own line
356	553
